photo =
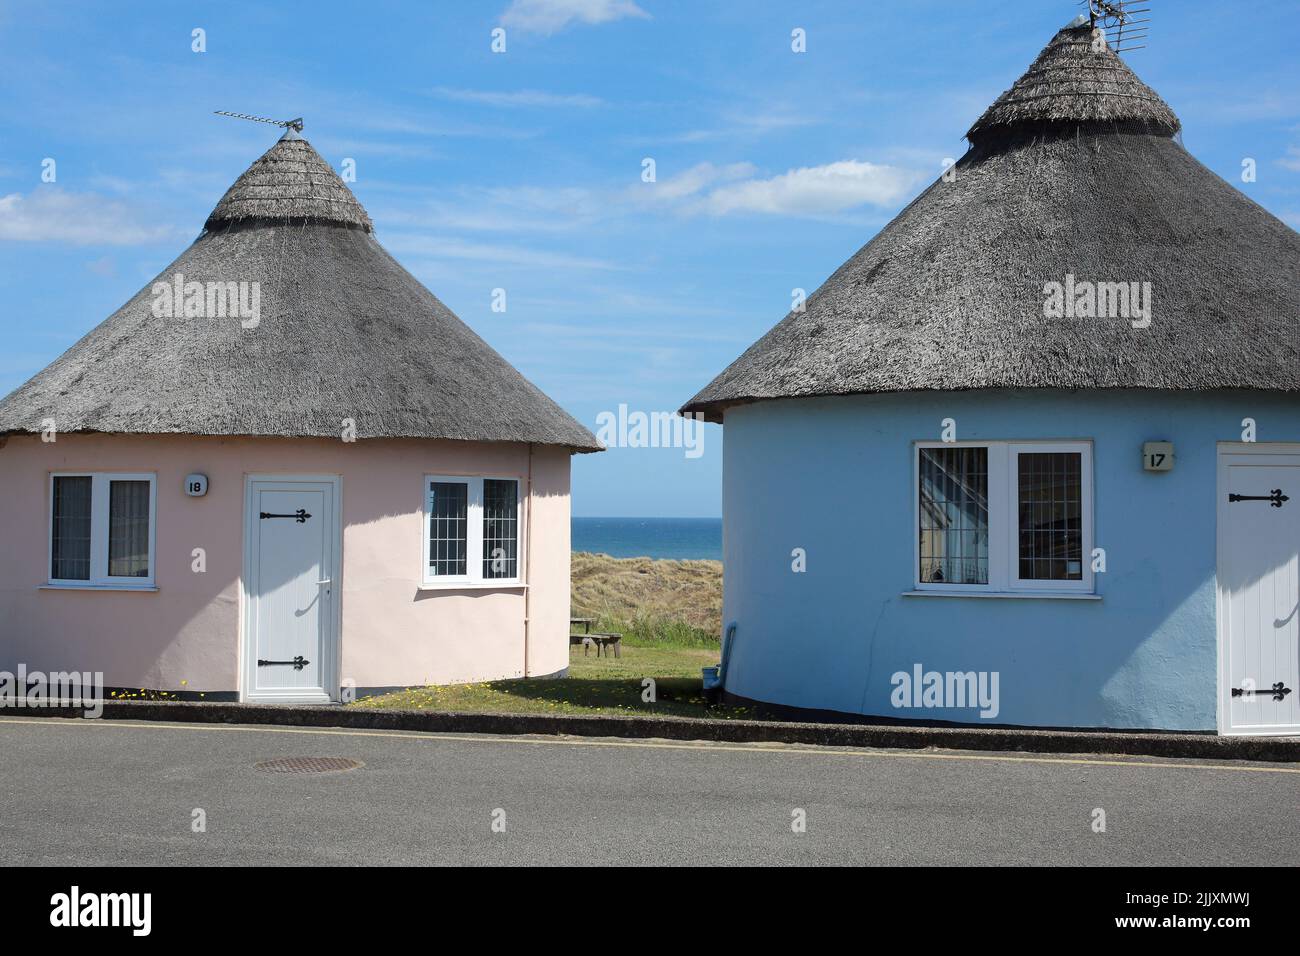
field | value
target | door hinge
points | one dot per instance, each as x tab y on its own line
300	515
298	663
1278	691
1275	499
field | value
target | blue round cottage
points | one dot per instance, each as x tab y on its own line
1032	455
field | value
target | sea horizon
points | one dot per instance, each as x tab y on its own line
691	539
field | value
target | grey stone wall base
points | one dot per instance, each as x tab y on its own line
1190	746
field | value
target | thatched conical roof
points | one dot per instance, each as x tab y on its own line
1074	171
1076	81
343	333
289	181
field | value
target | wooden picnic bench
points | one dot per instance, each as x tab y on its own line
602	641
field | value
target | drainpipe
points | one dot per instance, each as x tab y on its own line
528	553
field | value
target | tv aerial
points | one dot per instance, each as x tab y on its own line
293	124
1118	20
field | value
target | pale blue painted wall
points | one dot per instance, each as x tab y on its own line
834	476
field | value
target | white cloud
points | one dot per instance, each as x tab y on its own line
702	189
52	215
693	181
417	245
549	16
519	98
549	209
1292	160
813	190
747	125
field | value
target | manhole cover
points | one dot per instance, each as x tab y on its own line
307	765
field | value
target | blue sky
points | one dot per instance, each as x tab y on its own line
522	170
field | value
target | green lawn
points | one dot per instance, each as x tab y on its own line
595	685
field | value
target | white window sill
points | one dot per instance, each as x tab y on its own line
472	586
1031	595
98	587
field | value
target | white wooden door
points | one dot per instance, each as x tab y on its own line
290	586
1259	592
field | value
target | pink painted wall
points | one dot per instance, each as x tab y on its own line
185	636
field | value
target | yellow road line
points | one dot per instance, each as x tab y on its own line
804	749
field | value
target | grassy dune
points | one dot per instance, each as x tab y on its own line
669	613
651	603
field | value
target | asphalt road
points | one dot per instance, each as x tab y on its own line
112	792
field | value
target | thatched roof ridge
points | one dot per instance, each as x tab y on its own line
950	295
290	182
344	333
1074	83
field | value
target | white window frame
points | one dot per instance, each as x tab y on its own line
473	535
1003	497
99	517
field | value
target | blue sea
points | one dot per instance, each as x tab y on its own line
649	537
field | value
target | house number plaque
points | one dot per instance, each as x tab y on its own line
1158	456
